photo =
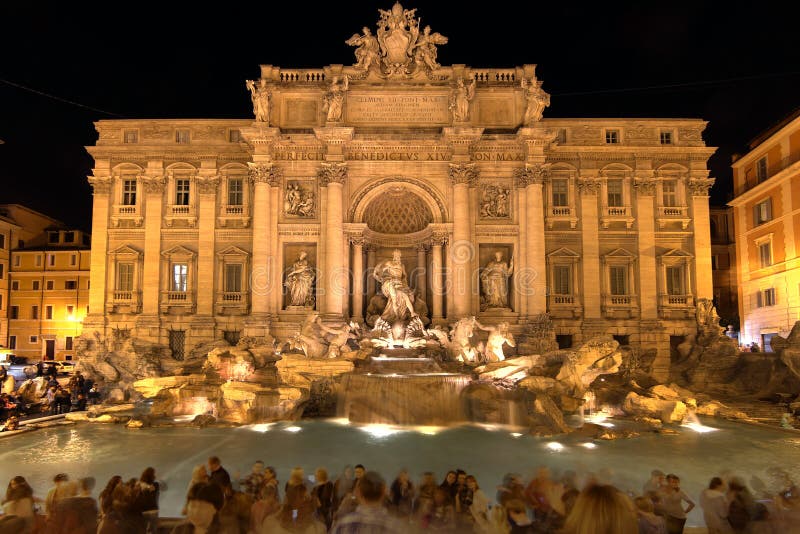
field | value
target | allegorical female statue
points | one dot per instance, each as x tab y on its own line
494	280
260	97
537	99
334	98
299	281
460	99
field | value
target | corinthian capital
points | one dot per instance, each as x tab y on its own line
153	183
532	174
645	186
588	185
100	184
698	187
207	184
266	173
463	173
332	173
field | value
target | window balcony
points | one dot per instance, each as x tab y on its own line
620	306
177	302
178	212
126	212
557	214
232	303
124	302
615	214
673	214
564	306
676	306
236	214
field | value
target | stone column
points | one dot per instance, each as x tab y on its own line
437	281
333	176
358	279
151	279
276	263
698	188
645	218
588	188
422	271
462	250
261	176
101	189
370	271
207	194
533	282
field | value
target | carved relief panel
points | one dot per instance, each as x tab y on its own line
300	199
494	201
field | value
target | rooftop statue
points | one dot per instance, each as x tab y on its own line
459	100
260	97
368	52
537	100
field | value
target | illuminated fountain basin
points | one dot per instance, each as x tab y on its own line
106	450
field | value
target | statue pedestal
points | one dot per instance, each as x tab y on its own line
299	308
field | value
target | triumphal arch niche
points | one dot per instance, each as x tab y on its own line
494	210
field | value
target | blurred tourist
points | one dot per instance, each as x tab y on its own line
715	508
672	499
602	509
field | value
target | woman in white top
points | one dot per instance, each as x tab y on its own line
715	508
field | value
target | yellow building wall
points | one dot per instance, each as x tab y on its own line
794	142
777	205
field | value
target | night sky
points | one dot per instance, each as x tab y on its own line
735	64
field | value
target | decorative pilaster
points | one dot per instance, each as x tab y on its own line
463	176
153	186
357	243
533	282
207	192
437	277
698	185
422	270
101	187
333	175
645	188
589	187
370	270
262	175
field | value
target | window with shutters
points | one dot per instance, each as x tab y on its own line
618	279
560	188
125	276
233	278
675	280
562	280
669	193
761	169
614	193
762	212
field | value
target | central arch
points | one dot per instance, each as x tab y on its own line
425	197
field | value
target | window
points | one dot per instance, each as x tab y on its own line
761	169
182	192
73	260
15	285
2	270
618	279
13	312
675	284
34	312
1	301
20	243
715	262
68	343
69	237
233	278
48	312
125	277
766	298
669	192
182	137
234	136
70	312
180	277
615	193
38	260
612	137
17	261
33	339
235	191
765	254
70	284
762	212
177	340
666	138
2	240
12	342
560	192
129	192
52	237
562	280
48	285
51	260
131	136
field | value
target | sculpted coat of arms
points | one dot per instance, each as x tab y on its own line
399	49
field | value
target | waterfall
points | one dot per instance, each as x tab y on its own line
415	399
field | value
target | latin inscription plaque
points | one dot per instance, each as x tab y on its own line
401	108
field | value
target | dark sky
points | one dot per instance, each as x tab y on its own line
735	64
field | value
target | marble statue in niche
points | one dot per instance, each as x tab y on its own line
494	282
300	281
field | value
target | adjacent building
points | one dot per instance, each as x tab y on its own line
49	294
767	222
198	225
723	266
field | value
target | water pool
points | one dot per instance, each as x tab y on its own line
105	450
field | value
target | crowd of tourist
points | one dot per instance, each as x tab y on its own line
359	501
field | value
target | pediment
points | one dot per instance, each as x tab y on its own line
564	252
125	250
233	251
178	251
677	253
621	254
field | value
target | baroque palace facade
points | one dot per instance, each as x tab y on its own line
203	228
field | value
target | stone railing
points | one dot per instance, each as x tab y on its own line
177	296
494	75
234	210
679	301
180	210
301	75
231	302
232	296
561	213
126	212
562	299
120	209
564	306
673	211
616	211
123	296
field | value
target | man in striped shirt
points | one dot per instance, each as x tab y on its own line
371	516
